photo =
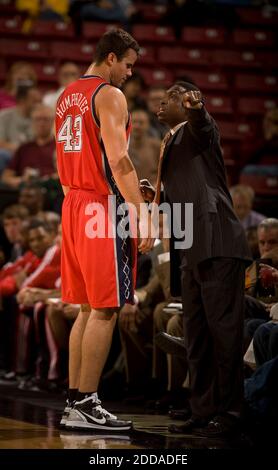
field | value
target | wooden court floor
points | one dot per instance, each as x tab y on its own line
30	420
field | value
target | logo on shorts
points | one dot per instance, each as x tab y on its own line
158	221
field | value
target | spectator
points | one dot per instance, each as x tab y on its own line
265	342
20	73
133	89
68	73
32	197
268	249
47	288
42	239
243	198
262	151
268	236
61	317
39	267
143	149
36	158
119	11
252	239
15	123
13	220
154	97
50	10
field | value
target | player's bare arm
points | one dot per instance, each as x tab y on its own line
111	108
65	189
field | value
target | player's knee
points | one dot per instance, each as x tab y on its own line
107	314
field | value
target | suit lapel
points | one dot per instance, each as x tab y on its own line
169	144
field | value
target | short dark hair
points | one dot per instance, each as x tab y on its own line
117	41
186	85
37	223
33	186
15	211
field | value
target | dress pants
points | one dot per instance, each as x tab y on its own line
213	305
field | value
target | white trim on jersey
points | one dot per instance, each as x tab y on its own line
48	257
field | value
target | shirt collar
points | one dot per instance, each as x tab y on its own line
177	127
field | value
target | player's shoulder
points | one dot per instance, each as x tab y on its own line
110	93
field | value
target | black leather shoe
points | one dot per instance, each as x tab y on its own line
171	344
188	427
221	425
182	415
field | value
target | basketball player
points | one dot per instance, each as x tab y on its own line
98	272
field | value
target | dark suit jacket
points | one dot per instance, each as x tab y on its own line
193	172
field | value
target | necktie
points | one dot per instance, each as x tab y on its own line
159	169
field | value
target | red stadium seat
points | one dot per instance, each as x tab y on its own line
253	38
24	49
10	26
157	76
2	70
255	106
153	33
228	153
94	31
151	13
205	80
147	55
183	56
204	36
238	59
257	16
234	131
269	59
217	104
76	52
256	83
53	29
46	72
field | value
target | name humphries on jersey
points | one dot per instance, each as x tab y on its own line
75	99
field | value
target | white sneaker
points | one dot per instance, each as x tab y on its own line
89	414
66	412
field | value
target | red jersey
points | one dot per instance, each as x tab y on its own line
28	262
47	273
83	166
81	158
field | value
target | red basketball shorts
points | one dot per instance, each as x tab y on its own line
98	266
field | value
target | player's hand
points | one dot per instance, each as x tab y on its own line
147	190
25	297
192	100
21	294
146	233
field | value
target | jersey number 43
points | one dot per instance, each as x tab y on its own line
70	133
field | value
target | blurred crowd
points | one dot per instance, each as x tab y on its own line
34	322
